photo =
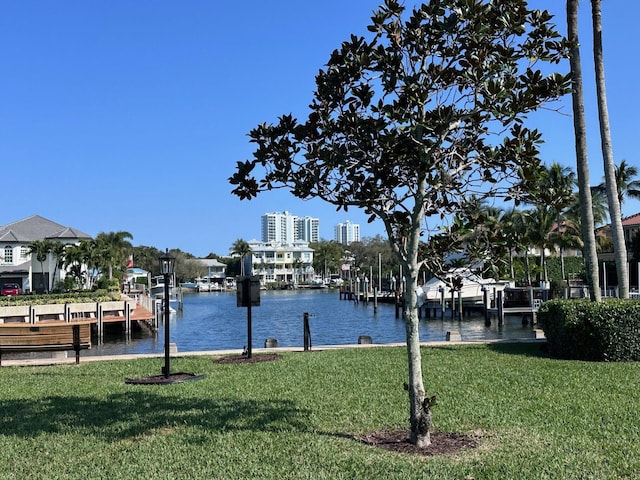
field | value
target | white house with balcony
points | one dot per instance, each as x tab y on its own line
18	266
282	263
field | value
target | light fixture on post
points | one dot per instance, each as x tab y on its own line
167	264
167	269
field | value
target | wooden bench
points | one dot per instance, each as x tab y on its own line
45	336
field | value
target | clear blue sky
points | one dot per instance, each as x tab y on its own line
131	115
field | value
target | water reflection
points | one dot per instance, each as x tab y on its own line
212	321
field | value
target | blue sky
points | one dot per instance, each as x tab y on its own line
131	115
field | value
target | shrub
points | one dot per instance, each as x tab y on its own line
585	330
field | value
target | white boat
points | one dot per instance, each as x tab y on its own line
157	287
189	285
203	285
470	285
208	284
317	282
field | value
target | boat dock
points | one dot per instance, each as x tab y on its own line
99	314
495	303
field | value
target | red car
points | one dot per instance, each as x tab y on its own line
10	289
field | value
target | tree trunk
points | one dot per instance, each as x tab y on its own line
582	163
619	247
419	414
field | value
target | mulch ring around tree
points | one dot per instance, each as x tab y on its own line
243	359
397	440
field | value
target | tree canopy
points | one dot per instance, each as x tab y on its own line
421	120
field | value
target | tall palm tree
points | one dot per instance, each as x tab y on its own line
619	246
582	163
41	249
241	248
57	251
541	223
514	229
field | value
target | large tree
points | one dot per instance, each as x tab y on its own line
582	161
619	246
409	124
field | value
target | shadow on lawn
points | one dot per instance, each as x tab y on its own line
534	349
133	414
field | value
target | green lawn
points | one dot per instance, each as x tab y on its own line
294	418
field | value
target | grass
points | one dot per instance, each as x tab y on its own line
293	419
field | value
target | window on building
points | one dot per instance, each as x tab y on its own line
24	252
8	255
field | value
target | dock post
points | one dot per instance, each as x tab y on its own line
499	304
397	304
100	322
375	299
127	319
485	301
453	304
307	332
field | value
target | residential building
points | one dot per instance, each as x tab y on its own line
284	263
347	232
307	229
216	270
18	266
288	228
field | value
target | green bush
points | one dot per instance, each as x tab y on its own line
585	330
53	298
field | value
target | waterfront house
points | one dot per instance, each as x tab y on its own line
608	276
18	266
281	263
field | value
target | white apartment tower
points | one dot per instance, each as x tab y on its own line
287	228
347	232
307	229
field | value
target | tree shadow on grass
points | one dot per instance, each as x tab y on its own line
526	349
133	414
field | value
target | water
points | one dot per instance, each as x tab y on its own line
212	321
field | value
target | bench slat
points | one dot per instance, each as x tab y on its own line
46	337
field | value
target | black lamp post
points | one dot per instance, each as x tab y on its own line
167	264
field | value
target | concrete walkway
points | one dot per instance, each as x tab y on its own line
60	358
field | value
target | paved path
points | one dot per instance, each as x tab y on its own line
60	357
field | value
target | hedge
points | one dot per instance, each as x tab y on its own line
584	330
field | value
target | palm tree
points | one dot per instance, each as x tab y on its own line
114	249
57	250
619	246
582	163
514	229
541	222
41	249
625	182
240	248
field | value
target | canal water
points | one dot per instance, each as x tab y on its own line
212	321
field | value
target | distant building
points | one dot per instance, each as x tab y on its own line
287	228
285	263
19	266
307	229
347	232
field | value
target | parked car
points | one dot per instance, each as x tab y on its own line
10	289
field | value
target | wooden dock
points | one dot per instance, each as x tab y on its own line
98	314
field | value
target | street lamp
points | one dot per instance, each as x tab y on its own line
167	264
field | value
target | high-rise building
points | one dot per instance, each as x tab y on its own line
287	228
347	232
307	229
